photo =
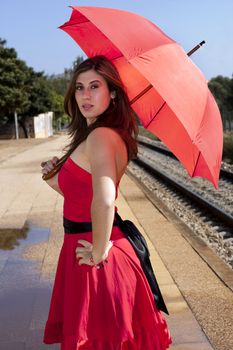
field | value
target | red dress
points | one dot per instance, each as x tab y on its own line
111	308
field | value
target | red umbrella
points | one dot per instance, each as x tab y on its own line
168	92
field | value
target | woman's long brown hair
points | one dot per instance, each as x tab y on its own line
118	116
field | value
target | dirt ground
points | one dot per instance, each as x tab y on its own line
9	148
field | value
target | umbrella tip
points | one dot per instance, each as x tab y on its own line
196	48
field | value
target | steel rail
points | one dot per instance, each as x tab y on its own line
225	217
224	174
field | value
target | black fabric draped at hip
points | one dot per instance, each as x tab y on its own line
138	243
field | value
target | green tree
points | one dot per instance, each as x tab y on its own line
30	93
40	94
40	97
68	72
59	82
13	74
222	89
24	91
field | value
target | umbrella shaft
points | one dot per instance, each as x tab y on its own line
195	48
151	86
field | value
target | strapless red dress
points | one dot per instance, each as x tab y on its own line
111	308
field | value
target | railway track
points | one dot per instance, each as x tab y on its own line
199	206
212	209
225	174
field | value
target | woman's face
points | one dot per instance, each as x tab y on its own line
92	95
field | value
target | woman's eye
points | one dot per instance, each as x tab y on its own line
80	88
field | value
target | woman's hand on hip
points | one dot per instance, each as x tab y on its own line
84	254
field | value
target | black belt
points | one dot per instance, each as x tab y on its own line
138	243
79	226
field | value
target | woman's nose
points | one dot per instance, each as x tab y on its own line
86	93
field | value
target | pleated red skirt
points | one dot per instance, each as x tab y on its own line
111	308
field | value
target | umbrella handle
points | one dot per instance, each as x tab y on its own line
196	48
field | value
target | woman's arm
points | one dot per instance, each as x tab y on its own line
101	151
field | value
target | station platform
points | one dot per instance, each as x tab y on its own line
27	272
132	204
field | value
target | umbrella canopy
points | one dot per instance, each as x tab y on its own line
167	91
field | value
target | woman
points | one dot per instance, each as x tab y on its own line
101	299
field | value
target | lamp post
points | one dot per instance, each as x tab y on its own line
16	126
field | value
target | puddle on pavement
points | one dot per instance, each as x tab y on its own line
24	299
16	239
9	237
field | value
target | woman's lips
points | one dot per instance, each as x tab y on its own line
87	107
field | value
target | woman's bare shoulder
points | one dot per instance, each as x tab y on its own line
100	142
103	137
105	144
101	131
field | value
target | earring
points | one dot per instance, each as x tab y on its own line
113	94
113	102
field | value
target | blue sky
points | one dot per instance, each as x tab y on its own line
31	28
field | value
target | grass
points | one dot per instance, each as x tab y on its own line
147	133
227	143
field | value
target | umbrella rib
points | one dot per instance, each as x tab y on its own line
156	114
73	24
141	94
196	163
117	57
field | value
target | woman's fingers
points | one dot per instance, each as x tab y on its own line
82	251
44	171
85	243
86	249
49	165
50	162
55	160
88	246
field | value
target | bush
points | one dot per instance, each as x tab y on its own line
228	147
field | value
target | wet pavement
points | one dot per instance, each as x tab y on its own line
31	235
27	266
22	291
